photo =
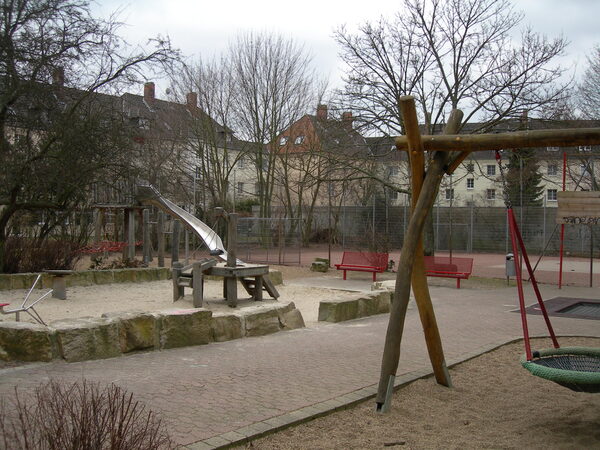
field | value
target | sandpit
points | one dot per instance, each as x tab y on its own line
494	404
93	301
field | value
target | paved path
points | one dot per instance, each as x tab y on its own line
209	390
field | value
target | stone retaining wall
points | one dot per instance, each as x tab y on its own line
91	277
362	306
120	333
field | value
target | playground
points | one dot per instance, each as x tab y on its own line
236	391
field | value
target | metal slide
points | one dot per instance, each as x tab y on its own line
148	195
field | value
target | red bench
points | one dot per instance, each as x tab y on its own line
444	266
364	262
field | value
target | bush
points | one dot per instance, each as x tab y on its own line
101	262
23	254
81	416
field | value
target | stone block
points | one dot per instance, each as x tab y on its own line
5	281
22	280
338	310
87	338
103	276
181	328
368	305
83	278
143	275
124	276
384	300
24	341
260	320
292	319
276	277
225	327
137	330
323	260
163	273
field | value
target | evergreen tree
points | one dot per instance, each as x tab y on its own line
523	179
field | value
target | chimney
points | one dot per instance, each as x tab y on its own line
322	112
58	76
149	92
192	100
347	120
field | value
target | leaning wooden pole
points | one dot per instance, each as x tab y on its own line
419	279
391	353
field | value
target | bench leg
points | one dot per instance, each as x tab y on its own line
458	283
374	277
344	274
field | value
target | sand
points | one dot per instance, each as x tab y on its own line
93	301
494	404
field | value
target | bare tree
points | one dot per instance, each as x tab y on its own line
55	142
209	89
588	92
449	54
275	86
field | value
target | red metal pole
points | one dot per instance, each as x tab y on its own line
562	225
535	285
515	249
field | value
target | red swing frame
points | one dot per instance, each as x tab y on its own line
517	242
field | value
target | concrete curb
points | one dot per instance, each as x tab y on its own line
273	425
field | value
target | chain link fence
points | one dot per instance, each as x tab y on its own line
381	227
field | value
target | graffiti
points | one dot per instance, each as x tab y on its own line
574	220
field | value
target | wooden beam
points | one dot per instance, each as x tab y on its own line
424	192
519	139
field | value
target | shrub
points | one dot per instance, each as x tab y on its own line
81	416
22	254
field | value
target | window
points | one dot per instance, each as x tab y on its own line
283	140
240	187
257	188
551	149
449	194
491	169
585	148
393	171
490	194
551	195
552	169
470	167
392	195
299	140
241	162
470	183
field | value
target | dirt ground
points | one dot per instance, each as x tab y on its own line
494	404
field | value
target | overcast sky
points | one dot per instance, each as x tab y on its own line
200	27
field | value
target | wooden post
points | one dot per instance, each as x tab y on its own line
147	247
175	240
160	229
197	284
131	233
178	291
411	258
